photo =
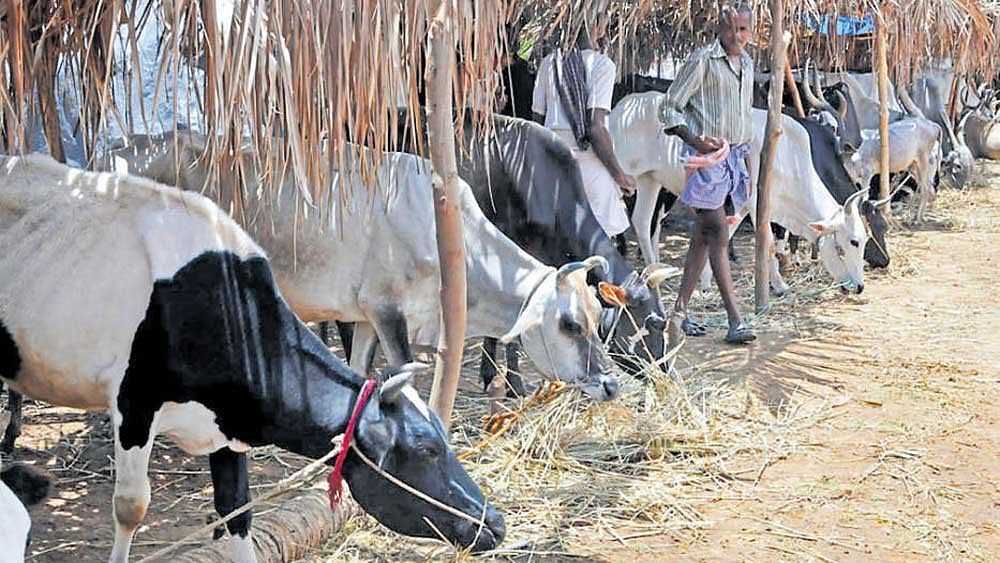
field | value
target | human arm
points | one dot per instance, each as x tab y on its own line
671	111
599	106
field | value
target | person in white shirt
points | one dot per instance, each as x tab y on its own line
572	97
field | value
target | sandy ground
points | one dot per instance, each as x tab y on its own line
898	461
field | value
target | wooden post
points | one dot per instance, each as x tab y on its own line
447	214
772	134
882	66
790	82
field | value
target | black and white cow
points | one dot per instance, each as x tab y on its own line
121	294
800	201
21	487
375	263
528	184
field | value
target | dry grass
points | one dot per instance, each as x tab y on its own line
572	472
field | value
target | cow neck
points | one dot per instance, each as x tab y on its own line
319	392
496	303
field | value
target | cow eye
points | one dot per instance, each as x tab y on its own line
570	326
855	243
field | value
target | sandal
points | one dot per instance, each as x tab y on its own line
740	334
692	328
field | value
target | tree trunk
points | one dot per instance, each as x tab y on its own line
291	531
447	214
772	134
882	67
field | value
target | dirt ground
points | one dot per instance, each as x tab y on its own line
900	458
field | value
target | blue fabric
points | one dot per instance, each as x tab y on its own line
708	187
846	25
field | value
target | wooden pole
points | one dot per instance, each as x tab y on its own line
447	215
882	66
772	134
790	82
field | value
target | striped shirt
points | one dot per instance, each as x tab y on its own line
710	98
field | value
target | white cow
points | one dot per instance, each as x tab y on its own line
376	264
21	486
799	200
915	147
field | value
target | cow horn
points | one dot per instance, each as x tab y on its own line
807	92
907	102
842	102
588	264
854	198
655	274
881	202
398	378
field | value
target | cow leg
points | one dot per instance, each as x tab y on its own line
664	202
346	333
642	217
390	326
132	492
778	285
231	484
487	363
364	344
515	385
15	401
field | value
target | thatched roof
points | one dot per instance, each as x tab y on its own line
293	75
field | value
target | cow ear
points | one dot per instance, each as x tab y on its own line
379	436
529	319
823	227
611	293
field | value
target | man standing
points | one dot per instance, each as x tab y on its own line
708	107
572	97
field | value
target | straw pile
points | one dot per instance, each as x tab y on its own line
570	474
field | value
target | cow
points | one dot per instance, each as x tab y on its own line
915	148
375	263
528	184
21	487
800	201
930	101
982	135
188	336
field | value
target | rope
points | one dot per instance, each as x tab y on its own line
420	495
336	478
284	486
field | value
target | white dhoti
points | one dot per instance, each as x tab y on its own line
602	192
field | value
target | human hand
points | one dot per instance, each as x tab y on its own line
627	184
705	145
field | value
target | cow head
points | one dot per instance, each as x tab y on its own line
405	439
849	128
956	167
636	330
559	326
842	240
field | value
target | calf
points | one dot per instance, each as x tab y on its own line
189	337
375	263
800	201
915	147
21	487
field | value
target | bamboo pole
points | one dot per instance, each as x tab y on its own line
447	215
882	67
790	82
772	134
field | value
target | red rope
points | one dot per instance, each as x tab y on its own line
336	478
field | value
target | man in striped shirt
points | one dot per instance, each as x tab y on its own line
708	107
